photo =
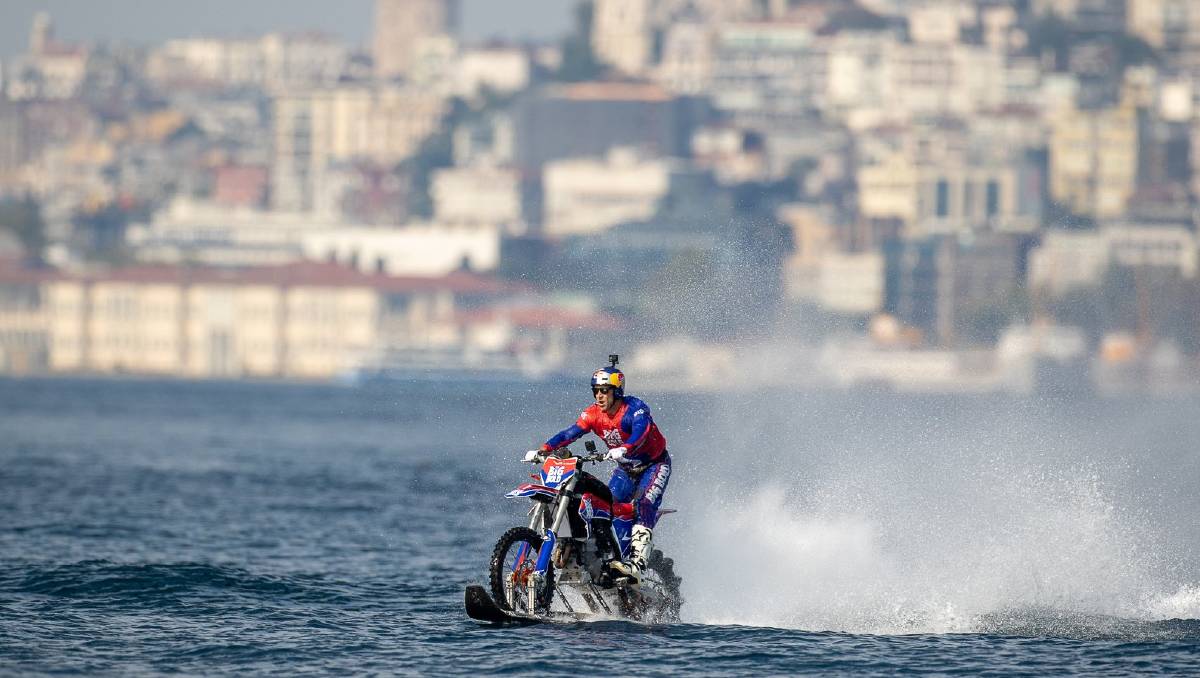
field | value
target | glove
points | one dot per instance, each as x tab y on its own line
532	456
617	454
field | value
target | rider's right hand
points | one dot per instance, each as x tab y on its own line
532	455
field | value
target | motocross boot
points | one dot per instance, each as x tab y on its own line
639	551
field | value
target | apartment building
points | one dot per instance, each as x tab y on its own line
384	124
766	67
306	321
948	181
1094	159
400	28
272	61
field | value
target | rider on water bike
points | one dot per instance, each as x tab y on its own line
640	450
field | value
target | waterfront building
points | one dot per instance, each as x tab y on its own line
302	321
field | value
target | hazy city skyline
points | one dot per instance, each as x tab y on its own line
147	21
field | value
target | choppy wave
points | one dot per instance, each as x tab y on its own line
1059	624
103	582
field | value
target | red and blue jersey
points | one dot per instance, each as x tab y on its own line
630	426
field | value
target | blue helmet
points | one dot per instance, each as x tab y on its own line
609	376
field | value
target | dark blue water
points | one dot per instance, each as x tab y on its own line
208	529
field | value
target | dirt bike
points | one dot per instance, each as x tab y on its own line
558	567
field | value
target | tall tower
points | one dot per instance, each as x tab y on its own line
401	25
41	34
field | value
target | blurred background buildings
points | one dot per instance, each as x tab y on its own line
938	195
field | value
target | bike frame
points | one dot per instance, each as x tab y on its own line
559	475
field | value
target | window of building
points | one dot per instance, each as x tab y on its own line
943	198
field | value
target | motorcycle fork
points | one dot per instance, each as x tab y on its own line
551	536
536	513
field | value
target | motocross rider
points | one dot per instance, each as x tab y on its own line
624	423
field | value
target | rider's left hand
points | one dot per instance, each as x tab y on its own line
617	453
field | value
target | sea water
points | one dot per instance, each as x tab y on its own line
151	528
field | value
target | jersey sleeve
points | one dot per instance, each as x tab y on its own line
571	433
639	421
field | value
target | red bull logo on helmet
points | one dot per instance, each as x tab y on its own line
608	378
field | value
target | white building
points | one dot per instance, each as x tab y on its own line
477	195
1157	246
875	78
51	69
202	233
935	23
503	70
435	64
588	195
687	58
1079	259
417	250
855	84
622	34
767	67
272	61
940	79
1067	260
851	283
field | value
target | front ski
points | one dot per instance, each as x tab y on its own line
481	607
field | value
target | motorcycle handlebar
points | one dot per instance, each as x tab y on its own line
593	458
